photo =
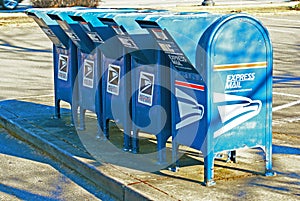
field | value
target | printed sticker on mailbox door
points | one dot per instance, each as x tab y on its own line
146	87
88	73
235	110
63	67
190	110
113	79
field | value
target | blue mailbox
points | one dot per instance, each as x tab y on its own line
111	63
149	80
222	87
87	24
116	84
64	58
89	60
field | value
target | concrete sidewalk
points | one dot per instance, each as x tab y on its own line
35	124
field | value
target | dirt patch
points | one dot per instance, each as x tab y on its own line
21	19
15	21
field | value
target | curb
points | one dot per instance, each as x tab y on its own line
24	132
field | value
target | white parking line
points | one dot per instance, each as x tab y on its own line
281	19
285	121
285	94
288	104
283	22
285	106
281	31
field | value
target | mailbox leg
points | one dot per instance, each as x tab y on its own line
268	159
135	141
126	145
74	116
232	156
268	150
209	169
127	139
81	119
99	128
106	129
74	108
57	108
175	159
161	147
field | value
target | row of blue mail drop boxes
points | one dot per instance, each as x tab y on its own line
203	79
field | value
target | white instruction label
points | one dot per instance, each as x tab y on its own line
113	79
63	67
88	73
146	87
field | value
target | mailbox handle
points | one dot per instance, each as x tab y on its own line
107	21
147	24
77	18
30	14
54	17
